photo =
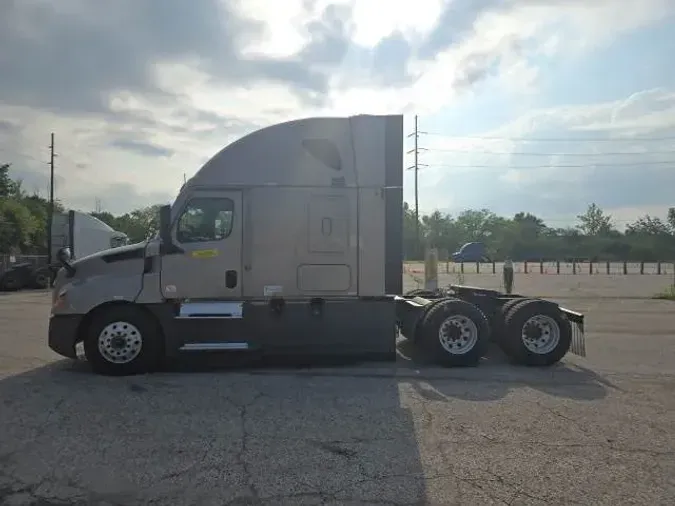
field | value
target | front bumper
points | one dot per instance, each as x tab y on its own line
63	330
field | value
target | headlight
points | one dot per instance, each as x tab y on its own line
58	299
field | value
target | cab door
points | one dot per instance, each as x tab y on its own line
207	261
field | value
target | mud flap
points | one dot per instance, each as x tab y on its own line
578	345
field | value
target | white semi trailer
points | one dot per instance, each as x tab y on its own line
80	232
289	240
83	234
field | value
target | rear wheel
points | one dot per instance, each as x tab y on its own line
42	278
499	323
455	333
122	340
537	333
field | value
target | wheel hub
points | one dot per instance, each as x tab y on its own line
533	331
541	334
454	331
120	342
458	334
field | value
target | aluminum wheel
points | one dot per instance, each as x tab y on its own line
458	334
541	334
120	342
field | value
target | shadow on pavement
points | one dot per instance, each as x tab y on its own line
243	430
224	435
496	377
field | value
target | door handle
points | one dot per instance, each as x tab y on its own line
230	279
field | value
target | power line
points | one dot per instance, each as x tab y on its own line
552	139
580	166
526	153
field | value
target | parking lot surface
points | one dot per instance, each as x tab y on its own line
598	430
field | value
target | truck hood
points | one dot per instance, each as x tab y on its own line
123	252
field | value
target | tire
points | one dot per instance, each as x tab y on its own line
41	278
552	333
139	347
470	328
499	321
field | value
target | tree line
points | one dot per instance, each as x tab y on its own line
524	236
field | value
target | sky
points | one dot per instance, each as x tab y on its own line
542	106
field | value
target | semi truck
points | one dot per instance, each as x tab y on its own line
289	241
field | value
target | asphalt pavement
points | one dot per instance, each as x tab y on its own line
599	430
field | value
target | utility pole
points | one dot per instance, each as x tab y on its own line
416	166
50	212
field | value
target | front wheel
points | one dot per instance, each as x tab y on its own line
122	340
455	333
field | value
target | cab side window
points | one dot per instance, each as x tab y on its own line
205	219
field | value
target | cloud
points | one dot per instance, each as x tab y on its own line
142	148
140	92
619	154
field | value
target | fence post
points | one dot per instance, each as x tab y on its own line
574	266
658	267
625	268
557	266
642	267
608	268
431	269
508	276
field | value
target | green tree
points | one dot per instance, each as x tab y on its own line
411	247
671	219
139	224
648	225
595	222
18	227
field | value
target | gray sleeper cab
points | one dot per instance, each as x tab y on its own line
289	240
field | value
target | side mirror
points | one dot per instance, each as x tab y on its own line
165	229
165	223
64	256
